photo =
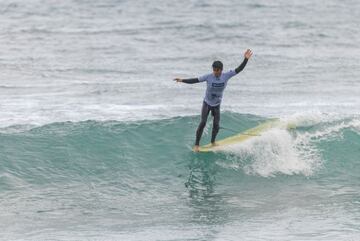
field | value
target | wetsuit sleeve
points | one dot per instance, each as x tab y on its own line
203	78
241	66
191	81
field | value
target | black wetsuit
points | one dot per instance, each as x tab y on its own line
215	110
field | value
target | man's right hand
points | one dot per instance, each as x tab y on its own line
178	80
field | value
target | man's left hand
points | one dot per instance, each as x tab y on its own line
248	54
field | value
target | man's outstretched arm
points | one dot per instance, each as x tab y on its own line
188	81
241	66
247	56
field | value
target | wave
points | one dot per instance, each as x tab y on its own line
136	152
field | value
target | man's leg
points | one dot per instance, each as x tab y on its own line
216	122
204	115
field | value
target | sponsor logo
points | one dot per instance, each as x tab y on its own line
217	85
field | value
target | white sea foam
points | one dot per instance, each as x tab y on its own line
276	151
289	151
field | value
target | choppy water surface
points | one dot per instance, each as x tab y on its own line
95	138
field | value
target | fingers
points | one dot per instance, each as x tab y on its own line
248	53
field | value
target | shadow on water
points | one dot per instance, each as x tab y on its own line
206	202
202	177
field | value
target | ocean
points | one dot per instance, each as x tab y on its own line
96	138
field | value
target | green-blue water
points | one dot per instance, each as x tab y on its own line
96	137
142	179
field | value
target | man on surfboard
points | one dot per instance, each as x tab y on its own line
216	84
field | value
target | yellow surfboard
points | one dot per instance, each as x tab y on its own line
243	136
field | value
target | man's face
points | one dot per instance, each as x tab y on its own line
217	72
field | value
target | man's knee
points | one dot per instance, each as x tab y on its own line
216	122
202	124
216	126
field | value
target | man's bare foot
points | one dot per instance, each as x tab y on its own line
196	148
214	144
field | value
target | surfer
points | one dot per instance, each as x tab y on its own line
216	83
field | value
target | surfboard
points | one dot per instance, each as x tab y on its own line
243	136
